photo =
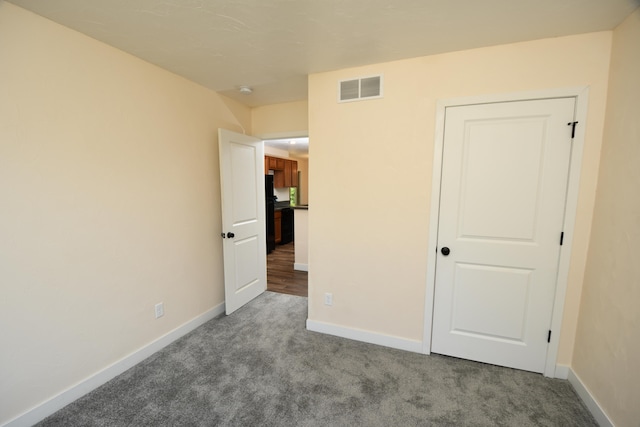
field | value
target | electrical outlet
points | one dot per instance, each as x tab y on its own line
328	299
159	309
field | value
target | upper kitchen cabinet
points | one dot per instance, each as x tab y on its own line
294	173
285	171
278	179
272	163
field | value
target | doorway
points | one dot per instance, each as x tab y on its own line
287	258
505	182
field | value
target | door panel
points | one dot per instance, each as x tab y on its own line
247	262
486	184
503	189
243	218
476	312
244	185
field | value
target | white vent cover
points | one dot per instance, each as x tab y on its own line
360	89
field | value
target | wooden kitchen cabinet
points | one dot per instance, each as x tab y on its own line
278	179
277	219
273	163
285	171
277	163
294	173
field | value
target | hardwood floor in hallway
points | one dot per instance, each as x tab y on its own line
281	277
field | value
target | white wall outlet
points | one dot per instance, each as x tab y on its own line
328	299
159	309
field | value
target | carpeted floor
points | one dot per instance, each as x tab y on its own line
261	367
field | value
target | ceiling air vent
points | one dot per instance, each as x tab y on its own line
360	89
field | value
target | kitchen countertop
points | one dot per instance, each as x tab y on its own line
278	206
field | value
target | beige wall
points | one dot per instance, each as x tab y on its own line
241	112
607	350
303	168
284	120
276	152
110	203
370	181
278	120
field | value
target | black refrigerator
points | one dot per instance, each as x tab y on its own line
270	208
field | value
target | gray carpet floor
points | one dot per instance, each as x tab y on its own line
261	367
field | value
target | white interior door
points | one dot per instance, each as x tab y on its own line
503	189
243	218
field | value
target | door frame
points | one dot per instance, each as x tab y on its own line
581	95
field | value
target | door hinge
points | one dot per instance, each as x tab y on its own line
549	336
561	238
573	128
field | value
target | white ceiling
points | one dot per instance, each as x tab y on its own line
272	45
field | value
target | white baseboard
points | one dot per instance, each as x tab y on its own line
590	401
300	267
365	336
562	372
43	410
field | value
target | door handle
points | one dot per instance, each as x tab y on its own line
445	251
230	235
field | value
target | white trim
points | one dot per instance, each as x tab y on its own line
433	227
591	403
562	372
284	135
364	336
514	96
48	407
581	96
570	213
300	266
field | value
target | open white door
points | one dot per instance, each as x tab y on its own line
243	218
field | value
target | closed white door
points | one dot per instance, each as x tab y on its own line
503	189
243	218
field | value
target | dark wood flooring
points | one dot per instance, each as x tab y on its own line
281	277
